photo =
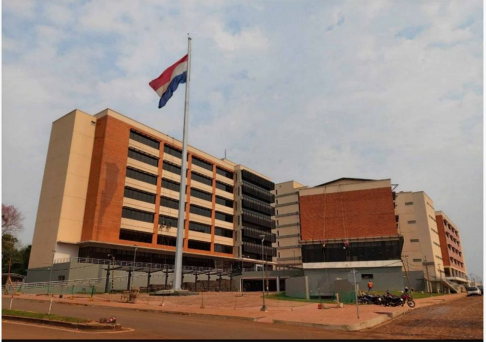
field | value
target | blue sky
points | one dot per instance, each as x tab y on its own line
311	91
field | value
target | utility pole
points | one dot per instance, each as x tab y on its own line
428	278
408	279
356	292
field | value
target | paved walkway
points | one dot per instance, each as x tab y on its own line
247	306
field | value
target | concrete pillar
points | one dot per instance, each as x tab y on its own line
278	283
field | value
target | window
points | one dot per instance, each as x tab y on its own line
141	175
144	139
138	215
438	257
224	187
435	231
201	245
170	185
201	194
433	219
171	167
202	163
412	222
224	201
366	276
143	157
224	173
200	211
435	243
169	203
139	195
223	249
223	232
417	260
224	217
408	203
168	221
133	235
173	151
166	240
198	227
201	179
414	240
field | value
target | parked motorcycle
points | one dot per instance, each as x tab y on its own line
392	300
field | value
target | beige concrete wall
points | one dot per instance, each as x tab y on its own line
63	194
424	229
287	222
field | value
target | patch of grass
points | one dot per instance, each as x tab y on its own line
282	296
416	295
19	313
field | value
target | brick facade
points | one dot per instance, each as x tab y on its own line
349	214
445	241
103	213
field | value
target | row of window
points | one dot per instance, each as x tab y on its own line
257	193
201	194
169	203
143	157
171	167
201	179
173	151
138	215
171	185
202	163
194	209
224	187
257	180
199	227
224	201
224	173
139	195
357	251
144	139
176	153
141	175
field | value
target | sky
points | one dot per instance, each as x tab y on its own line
309	91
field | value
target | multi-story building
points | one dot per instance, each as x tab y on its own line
451	248
111	190
350	224
288	223
422	246
254	213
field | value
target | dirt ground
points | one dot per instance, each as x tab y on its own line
458	319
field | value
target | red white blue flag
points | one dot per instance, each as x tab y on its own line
167	83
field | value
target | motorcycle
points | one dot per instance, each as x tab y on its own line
408	299
392	300
366	298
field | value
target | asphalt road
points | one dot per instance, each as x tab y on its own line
151	325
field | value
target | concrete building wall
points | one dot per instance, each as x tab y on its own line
329	281
421	249
63	194
288	223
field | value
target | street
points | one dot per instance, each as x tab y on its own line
149	325
461	318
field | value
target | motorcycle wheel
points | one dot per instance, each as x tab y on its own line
411	303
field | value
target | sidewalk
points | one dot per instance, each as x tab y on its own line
247	306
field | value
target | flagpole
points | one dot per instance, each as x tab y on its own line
182	193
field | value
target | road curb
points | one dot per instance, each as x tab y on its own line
75	326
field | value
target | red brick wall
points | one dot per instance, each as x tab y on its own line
444	241
104	200
350	214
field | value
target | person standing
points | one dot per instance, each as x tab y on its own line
370	285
